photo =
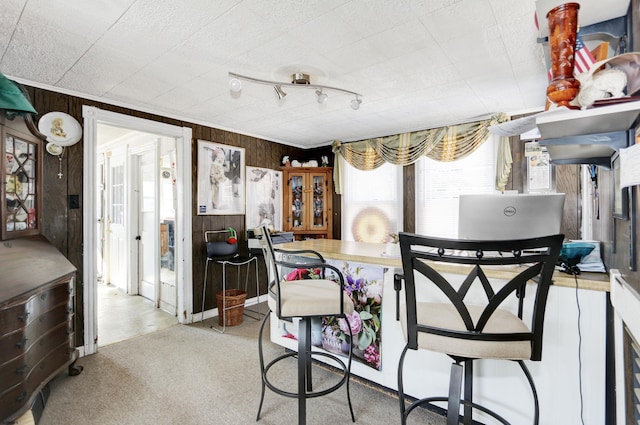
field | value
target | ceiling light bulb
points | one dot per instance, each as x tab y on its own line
355	104
235	85
322	97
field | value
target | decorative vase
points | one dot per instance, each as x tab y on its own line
563	29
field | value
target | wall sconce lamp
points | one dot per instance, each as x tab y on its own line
297	80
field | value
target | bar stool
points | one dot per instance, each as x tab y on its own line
224	251
303	300
470	321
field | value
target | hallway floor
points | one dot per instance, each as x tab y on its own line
122	316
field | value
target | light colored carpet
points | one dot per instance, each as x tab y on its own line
194	375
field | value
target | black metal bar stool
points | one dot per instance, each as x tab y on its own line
224	251
467	329
304	300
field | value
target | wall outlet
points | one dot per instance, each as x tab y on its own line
74	202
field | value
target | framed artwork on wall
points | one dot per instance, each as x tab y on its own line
221	179
620	194
264	198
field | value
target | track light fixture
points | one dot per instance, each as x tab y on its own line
235	85
280	94
298	80
355	103
322	97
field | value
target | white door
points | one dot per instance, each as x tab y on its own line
148	226
116	264
100	216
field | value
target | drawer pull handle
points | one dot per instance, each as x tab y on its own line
22	370
21	396
24	316
21	343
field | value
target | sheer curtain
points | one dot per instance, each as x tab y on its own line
372	203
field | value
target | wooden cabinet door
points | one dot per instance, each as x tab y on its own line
308	202
295	217
317	194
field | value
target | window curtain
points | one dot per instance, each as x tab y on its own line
442	144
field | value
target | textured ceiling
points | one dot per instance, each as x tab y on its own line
418	64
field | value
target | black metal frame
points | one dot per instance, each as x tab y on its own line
305	353
535	258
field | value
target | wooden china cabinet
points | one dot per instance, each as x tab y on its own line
37	283
307	200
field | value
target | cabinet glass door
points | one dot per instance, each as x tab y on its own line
297	217
319	211
20	167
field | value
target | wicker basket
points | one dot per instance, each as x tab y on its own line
234	307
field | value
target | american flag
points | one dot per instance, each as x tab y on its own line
583	59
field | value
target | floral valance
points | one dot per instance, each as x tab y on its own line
441	144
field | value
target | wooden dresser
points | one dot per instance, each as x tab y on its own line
36	321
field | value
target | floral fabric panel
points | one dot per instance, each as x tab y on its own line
363	283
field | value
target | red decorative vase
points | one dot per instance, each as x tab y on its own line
563	28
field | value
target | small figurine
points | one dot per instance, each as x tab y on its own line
324	160
285	161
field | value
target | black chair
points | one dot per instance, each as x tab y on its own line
221	251
303	299
465	331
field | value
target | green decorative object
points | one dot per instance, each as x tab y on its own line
12	98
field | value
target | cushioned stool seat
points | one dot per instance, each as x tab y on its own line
438	315
310	297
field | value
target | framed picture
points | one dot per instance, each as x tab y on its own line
264	198
620	194
220	179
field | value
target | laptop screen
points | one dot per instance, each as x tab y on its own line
501	217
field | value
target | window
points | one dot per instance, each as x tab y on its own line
371	203
438	185
117	194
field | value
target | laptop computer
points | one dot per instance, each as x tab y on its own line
509	216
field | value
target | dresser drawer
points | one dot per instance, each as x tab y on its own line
12	318
47	300
16	343
18	368
14	398
20	315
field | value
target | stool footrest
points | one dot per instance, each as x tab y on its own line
272	387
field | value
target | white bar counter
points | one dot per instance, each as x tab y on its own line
498	384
